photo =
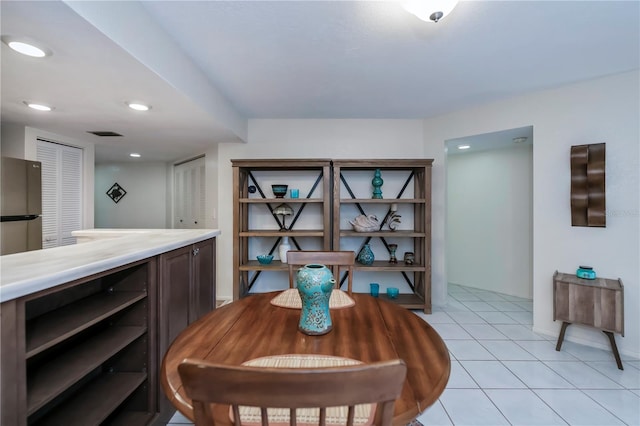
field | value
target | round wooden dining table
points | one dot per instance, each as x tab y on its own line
374	329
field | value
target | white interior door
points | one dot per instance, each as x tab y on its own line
189	194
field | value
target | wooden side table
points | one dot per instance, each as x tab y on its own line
597	303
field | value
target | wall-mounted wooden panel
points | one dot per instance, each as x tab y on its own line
588	206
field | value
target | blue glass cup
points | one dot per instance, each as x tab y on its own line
392	292
294	193
375	289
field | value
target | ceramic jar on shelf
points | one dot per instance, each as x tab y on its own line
283	248
365	256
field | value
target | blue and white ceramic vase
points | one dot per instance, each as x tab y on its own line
377	184
315	283
365	256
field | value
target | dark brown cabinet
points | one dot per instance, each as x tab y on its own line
187	288
88	352
82	353
186	292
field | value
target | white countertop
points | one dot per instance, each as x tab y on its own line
25	273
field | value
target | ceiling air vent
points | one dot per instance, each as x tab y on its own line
104	133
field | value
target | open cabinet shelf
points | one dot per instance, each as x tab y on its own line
88	348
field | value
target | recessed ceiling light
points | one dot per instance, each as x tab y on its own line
26	47
38	107
464	146
138	106
134	155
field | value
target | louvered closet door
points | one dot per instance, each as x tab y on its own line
61	192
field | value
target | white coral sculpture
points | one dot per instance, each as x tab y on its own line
394	221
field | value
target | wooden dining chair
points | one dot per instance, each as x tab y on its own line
336	259
292	388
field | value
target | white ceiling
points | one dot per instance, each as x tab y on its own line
209	66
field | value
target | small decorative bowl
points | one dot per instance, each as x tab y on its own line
392	292
265	259
279	190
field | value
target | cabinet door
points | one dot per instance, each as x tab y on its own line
175	279
204	274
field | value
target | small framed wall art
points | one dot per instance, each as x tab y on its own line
116	192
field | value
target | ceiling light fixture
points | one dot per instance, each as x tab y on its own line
26	47
134	155
38	107
138	106
464	146
429	11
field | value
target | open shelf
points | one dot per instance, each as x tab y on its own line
95	402
54	327
53	377
279	200
383	200
378	234
128	418
279	233
383	265
406	300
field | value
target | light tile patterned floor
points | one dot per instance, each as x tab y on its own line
502	373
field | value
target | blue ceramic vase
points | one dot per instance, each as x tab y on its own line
315	283
377	182
365	256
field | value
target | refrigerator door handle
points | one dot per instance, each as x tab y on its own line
18	218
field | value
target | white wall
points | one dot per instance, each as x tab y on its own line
212	187
12	140
601	110
306	139
489	220
145	203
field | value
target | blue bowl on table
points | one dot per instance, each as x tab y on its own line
264	259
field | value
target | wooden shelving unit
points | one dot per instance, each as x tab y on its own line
334	177
413	193
260	174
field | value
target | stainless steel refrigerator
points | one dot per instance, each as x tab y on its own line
21	205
